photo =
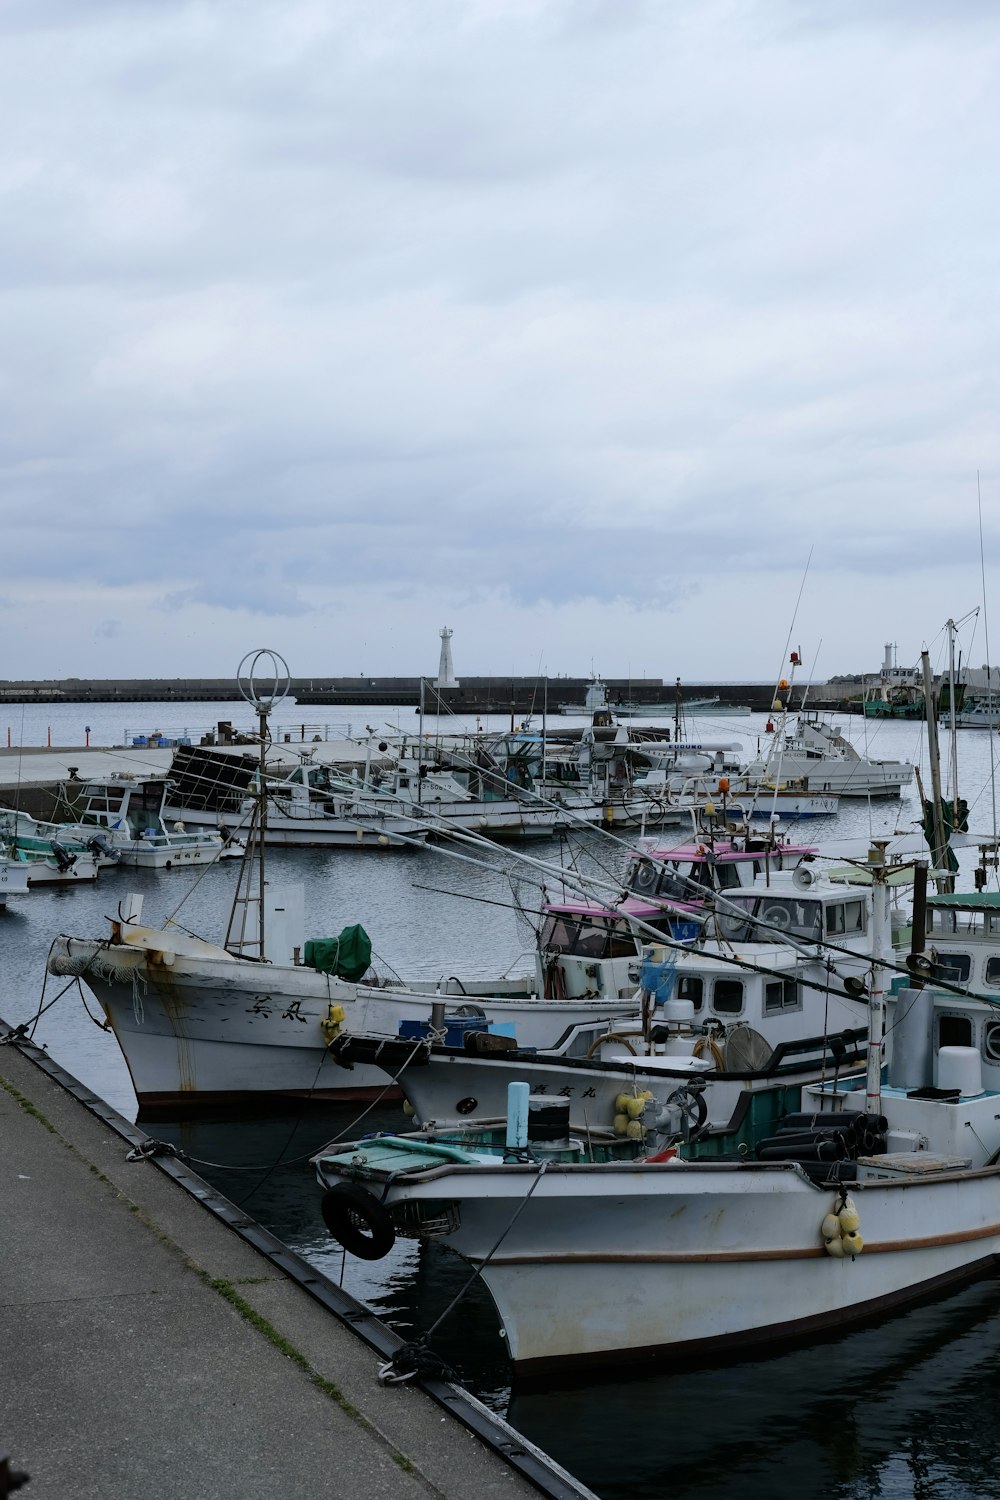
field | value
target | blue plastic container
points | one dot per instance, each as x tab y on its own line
456	1029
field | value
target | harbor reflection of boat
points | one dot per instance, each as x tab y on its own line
886	1410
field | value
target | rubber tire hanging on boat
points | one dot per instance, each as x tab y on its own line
358	1221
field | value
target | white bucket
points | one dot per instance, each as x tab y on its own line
960	1068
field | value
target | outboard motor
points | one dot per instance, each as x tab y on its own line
63	858
101	849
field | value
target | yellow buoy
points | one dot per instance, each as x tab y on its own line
849	1218
332	1022
853	1243
621	1124
635	1130
408	1108
635	1107
830	1228
835	1247
622	1103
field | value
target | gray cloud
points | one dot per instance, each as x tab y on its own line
533	317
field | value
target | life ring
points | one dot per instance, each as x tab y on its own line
358	1221
610	1036
709	1044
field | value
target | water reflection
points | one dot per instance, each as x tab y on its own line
907	1408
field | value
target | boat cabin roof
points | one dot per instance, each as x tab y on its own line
722	851
630	907
967	901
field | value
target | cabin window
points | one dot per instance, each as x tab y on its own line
734	925
954	1031
993	971
941	921
993	925
727	997
592	940
780	995
842	920
805	919
954	967
690	988
675	886
621	943
991	1041
563	934
726	877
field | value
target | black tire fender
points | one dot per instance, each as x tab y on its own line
358	1221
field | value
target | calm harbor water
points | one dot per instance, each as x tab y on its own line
908	1408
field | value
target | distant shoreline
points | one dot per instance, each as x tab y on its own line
483	695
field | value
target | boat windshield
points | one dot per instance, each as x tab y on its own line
665	880
769	919
673	881
589	937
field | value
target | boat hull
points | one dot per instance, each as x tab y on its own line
665	1260
13	880
196	1030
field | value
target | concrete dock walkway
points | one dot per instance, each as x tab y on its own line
146	1348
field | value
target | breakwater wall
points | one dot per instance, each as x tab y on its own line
474	695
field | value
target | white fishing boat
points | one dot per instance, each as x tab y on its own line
54	865
13	879
391	806
749	1004
978	713
309	805
697	706
216	1029
119	820
595	700
819	757
876	1189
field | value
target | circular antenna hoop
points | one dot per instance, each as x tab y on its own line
263	680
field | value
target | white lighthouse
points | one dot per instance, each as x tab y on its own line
446	673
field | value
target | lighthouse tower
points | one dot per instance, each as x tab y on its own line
446	673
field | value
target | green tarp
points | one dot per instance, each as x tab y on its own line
347	956
954	816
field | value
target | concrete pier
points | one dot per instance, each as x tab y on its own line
151	1346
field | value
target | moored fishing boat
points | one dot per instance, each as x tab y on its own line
119	820
13	879
861	1194
817	754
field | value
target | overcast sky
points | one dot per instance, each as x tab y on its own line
571	324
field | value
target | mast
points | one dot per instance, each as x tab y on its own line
250	680
939	839
420	747
953	722
545	706
881	957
